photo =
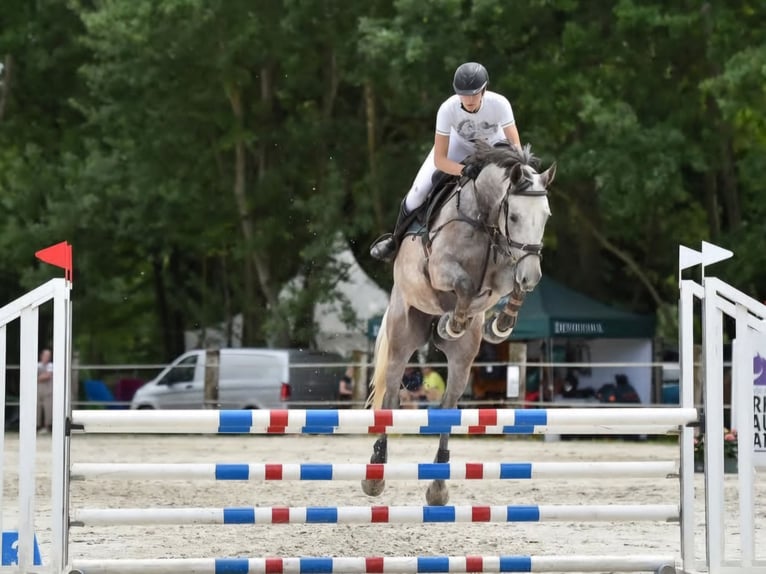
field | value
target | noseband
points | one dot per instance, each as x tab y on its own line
523	187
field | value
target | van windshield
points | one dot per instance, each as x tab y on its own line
183	372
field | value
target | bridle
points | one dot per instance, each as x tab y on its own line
522	187
499	241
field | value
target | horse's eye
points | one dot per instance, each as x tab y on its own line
514	218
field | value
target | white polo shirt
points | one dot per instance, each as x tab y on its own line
485	124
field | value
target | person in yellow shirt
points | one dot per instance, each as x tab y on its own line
433	385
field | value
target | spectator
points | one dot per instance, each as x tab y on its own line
346	388
45	392
433	385
412	388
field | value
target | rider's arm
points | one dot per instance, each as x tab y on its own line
512	134
442	162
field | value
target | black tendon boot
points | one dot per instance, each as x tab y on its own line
386	246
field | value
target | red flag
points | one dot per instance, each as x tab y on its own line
59	255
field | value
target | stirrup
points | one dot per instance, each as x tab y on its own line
384	248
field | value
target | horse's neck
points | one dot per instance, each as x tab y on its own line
479	204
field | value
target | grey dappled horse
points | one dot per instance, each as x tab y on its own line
485	243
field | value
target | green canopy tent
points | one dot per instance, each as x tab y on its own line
555	311
556	315
561	318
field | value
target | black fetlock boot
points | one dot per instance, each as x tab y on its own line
386	246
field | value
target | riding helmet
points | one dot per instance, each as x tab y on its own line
470	79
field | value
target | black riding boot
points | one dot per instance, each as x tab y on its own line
386	246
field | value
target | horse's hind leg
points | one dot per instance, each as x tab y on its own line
404	331
460	355
374	487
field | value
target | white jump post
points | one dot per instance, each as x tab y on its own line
26	311
720	300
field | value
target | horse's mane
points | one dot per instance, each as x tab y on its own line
505	156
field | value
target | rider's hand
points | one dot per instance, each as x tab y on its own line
471	171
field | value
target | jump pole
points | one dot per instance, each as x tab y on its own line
390	471
379	564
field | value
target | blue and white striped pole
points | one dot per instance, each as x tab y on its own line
369	471
648	420
379	565
375	514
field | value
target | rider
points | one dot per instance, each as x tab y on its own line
472	114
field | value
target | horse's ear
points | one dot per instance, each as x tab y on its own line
548	175
517	174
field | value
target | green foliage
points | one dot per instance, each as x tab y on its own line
129	128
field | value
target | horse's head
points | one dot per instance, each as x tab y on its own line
511	192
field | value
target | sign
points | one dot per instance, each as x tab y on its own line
759	409
578	328
10	551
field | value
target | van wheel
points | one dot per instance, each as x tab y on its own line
145	408
250	408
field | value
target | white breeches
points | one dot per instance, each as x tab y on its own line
458	150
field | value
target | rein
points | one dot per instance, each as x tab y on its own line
499	240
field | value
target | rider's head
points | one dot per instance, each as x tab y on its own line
470	83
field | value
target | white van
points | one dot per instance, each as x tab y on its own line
247	379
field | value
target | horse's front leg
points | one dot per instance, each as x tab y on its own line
451	277
438	493
500	326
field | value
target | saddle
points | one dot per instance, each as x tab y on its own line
442	185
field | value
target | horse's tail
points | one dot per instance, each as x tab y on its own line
378	382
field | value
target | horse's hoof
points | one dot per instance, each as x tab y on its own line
444	330
437	493
491	334
373	487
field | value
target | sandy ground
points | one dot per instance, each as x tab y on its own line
197	541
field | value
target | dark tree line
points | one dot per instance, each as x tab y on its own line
199	154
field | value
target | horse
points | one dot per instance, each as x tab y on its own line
484	243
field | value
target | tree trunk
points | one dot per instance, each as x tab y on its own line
171	328
616	251
259	262
728	181
5	84
370	111
711	205
726	177
177	318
